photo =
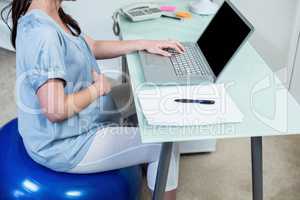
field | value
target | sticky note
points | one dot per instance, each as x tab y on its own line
168	8
184	14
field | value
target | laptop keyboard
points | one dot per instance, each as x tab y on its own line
189	63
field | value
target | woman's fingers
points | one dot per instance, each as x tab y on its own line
102	83
175	45
177	48
162	52
95	75
180	46
106	84
158	47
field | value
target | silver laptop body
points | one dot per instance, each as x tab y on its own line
192	67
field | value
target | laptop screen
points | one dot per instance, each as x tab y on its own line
222	38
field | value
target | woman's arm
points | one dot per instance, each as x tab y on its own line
112	49
57	106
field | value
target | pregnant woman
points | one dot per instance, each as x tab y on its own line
67	115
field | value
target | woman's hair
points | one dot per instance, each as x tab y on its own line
17	8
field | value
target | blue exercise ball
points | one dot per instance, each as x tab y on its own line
22	178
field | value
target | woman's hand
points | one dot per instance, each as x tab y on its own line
158	47
101	84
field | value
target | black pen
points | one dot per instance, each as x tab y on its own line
171	17
200	101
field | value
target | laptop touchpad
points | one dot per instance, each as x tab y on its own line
152	60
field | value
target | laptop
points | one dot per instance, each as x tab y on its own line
204	60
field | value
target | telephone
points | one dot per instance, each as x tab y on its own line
136	12
142	11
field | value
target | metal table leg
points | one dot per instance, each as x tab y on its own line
162	172
257	168
125	73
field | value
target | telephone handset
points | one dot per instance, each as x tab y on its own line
136	12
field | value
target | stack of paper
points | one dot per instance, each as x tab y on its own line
159	106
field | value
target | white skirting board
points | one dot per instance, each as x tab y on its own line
203	146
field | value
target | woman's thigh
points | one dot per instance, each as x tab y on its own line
117	147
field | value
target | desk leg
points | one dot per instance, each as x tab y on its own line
257	168
125	74
162	171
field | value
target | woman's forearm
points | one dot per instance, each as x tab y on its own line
58	106
76	102
66	106
113	49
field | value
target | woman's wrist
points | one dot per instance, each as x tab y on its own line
140	45
95	91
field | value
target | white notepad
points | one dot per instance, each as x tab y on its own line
159	106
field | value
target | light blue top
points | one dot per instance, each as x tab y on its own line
45	51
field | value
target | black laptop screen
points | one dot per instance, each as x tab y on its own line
222	38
